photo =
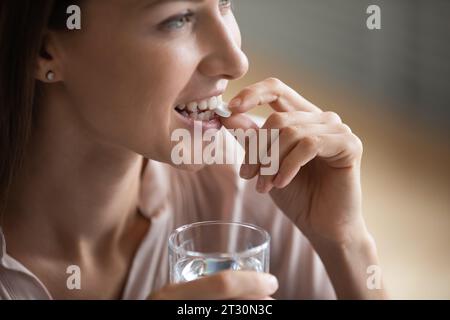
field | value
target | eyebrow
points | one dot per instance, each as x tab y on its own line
153	3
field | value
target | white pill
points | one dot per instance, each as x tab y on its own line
223	111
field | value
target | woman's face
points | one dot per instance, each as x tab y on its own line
135	61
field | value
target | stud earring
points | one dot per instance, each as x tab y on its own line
50	76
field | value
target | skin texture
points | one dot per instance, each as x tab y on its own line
112	101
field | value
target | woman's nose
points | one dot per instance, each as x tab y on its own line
224	58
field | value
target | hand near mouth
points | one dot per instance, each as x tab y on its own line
318	183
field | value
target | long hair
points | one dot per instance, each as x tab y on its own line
23	24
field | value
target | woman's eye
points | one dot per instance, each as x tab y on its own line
178	22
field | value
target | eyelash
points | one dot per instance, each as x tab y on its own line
178	22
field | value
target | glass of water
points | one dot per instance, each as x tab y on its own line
204	248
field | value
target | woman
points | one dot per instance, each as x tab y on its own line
82	109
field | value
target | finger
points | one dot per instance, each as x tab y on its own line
341	150
279	149
273	92
277	120
250	298
305	150
239	121
234	285
300	119
248	139
338	150
223	286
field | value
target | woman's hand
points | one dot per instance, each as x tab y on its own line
318	183
226	285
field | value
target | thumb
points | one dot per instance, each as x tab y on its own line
239	121
250	131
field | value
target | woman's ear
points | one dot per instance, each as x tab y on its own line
48	68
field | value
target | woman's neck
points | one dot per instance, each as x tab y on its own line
73	189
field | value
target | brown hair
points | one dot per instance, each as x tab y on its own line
22	27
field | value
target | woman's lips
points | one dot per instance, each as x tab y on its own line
211	123
201	112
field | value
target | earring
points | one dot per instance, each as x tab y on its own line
50	76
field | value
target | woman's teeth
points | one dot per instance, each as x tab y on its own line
200	111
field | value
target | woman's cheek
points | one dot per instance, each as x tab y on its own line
154	118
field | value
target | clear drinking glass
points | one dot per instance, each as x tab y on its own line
204	248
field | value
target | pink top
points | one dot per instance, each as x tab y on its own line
171	198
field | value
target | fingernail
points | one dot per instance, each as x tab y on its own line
245	171
235	103
273	281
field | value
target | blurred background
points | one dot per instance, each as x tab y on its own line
392	86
